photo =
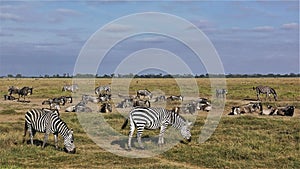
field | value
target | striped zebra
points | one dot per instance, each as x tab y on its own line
154	118
102	90
48	121
265	90
71	88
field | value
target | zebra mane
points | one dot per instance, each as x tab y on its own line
175	116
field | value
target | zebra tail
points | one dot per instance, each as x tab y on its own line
124	124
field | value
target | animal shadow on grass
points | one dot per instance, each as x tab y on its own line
24	101
40	143
123	142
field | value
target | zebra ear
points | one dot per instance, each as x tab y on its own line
71	131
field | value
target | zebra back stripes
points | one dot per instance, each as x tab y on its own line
48	121
265	90
154	118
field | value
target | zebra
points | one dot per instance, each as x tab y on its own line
48	121
125	103
102	89
282	111
8	97
160	98
154	118
221	93
141	103
265	90
71	88
251	107
104	97
145	93
88	98
25	91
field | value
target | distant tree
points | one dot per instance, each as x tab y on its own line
10	75
18	75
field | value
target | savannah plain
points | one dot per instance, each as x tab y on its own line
244	141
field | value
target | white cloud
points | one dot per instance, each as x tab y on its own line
263	28
290	26
9	16
117	28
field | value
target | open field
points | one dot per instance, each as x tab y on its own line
246	141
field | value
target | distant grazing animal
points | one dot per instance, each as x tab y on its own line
154	118
25	91
105	108
102	90
145	93
141	103
8	97
126	97
188	108
252	107
48	121
221	93
52	105
203	104
175	98
265	90
160	98
71	88
13	90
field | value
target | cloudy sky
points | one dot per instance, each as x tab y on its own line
46	37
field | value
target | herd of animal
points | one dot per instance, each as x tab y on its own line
142	115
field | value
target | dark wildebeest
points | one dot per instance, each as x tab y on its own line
13	90
71	88
145	93
105	108
265	90
25	91
221	93
175	98
251	107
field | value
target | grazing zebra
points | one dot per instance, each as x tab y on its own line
71	88
265	90
13	90
154	118
174	98
145	93
221	93
48	121
102	90
25	91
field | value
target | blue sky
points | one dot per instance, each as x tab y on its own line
45	37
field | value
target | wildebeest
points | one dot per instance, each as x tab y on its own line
281	111
8	97
25	91
13	90
102	90
252	107
145	93
265	90
72	88
105	108
221	93
175	98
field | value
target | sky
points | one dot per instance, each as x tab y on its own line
46	37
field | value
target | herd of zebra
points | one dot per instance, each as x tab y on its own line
142	115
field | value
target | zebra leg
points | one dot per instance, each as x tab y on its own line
161	135
31	134
56	142
45	139
132	128
139	137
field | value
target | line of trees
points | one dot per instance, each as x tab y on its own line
67	75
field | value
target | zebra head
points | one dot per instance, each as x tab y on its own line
69	142
185	131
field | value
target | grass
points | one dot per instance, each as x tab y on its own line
248	141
